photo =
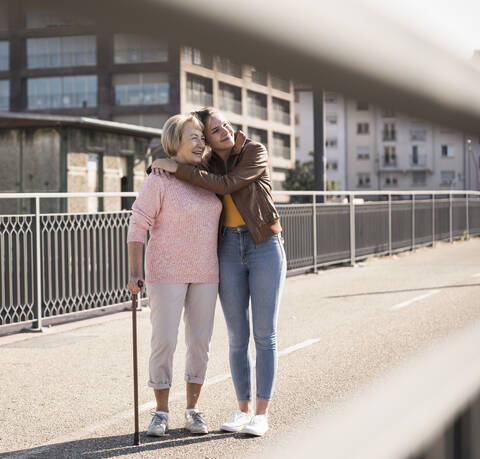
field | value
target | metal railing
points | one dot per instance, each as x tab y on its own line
56	264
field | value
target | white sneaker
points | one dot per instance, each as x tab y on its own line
159	425
236	422
257	426
195	423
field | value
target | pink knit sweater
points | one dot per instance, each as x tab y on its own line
183	224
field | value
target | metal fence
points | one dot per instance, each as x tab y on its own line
60	264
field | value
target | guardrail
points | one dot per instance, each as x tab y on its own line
58	264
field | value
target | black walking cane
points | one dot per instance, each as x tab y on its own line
136	435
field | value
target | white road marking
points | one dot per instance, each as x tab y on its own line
127	414
413	300
476	275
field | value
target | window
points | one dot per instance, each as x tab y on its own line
4	95
363	128
62	92
388	113
297	142
130	49
4	55
418	157
389	155
332	165
61	51
258	76
363	180
390	180
281	110
363	153
418	134
448	151
230	98
196	57
280	83
257	105
149	120
419	178
226	65
331	142
389	132
447	178
141	88
281	145
331	118
39	17
362	106
199	90
258	135
297	119
297	97
330	97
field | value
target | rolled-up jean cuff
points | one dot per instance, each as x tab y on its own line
261	397
194	379
159	386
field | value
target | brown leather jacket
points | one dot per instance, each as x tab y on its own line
246	177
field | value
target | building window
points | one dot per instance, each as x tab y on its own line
199	90
388	113
61	51
4	55
141	88
419	178
62	92
363	153
331	118
362	106
280	83
447	178
230	98
418	157
39	17
4	95
196	57
297	97
281	146
281	110
418	134
389	132
226	65
258	135
297	119
363	128
389	155
448	151
330	97
131	49
391	181
363	180
332	165
331	142
258	76
236	127
297	141
257	105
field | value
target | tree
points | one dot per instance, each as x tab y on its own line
302	178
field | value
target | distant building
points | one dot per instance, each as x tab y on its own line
53	153
60	65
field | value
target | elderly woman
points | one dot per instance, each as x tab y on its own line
181	269
251	257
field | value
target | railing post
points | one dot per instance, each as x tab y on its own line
389	224
314	233
467	198
450	213
433	220
413	222
37	326
352	230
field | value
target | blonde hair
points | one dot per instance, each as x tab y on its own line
172	131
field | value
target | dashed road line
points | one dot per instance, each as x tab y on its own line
413	300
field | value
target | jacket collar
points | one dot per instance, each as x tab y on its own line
240	139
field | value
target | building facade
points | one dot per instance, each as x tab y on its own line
60	65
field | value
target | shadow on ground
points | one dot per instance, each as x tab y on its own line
119	445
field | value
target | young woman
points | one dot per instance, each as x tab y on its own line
181	269
251	258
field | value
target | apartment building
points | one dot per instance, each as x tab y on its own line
63	65
377	149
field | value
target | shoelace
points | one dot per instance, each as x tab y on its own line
197	416
158	418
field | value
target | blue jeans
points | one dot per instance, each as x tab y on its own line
256	273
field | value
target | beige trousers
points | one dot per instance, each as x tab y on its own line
167	301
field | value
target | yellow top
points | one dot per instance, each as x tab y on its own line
232	216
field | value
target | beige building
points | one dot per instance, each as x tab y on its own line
258	103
